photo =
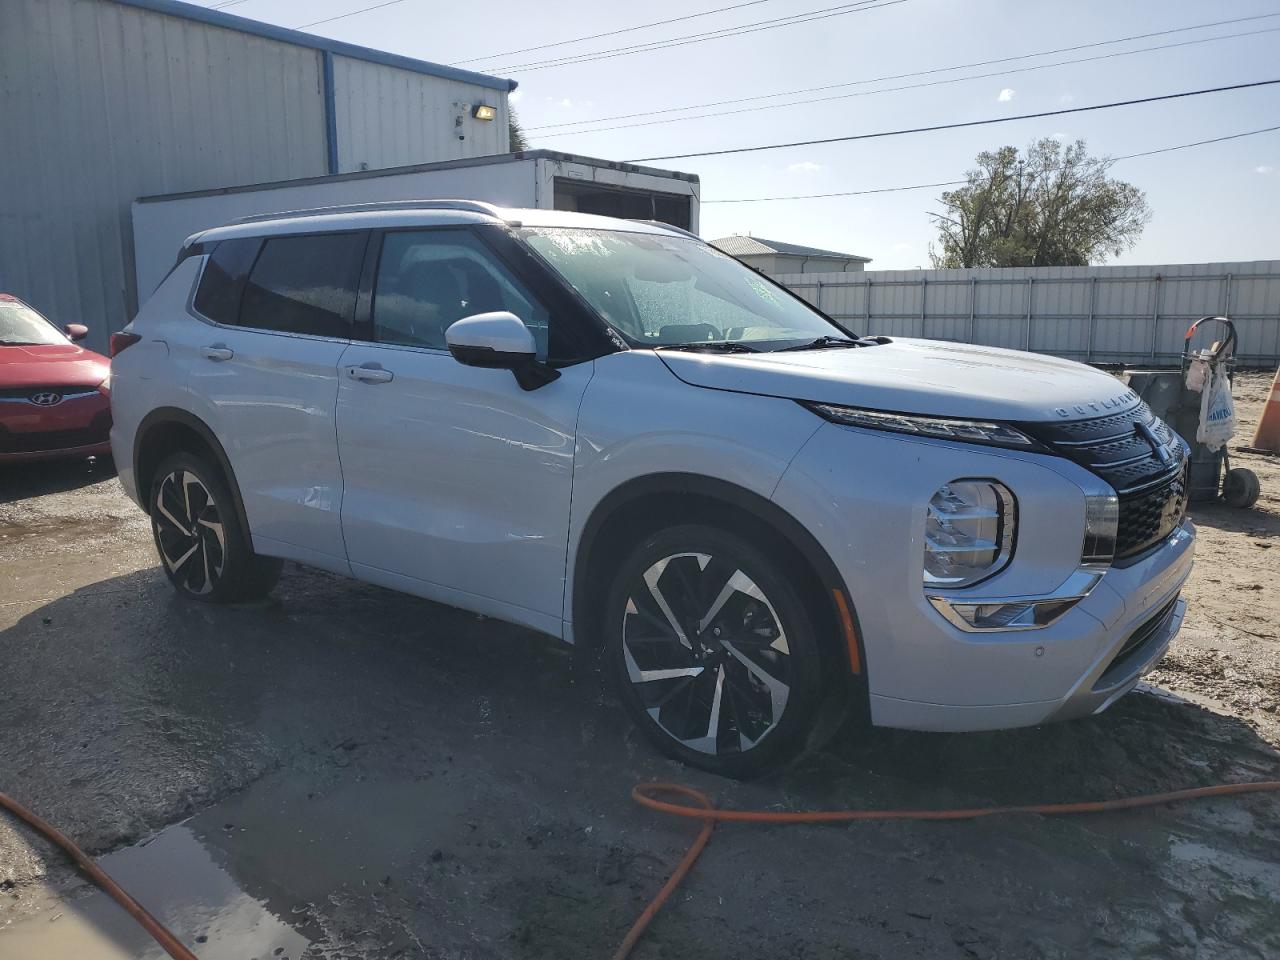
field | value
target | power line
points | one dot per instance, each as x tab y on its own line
918	73
343	16
843	193
916	86
790	20
229	3
955	183
1197	143
957	126
612	33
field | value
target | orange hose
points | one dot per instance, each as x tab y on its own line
645	794
704	810
171	944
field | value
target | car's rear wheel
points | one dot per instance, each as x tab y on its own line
712	650
204	550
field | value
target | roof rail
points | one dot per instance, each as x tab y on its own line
669	226
471	206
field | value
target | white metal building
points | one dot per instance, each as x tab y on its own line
774	257
105	101
542	179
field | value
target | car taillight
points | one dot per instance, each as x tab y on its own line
120	341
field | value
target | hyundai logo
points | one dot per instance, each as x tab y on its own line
46	399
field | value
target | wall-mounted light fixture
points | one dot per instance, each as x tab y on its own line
483	111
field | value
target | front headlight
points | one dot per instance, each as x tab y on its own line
970	431
968	532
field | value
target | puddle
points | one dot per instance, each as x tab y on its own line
1246	871
176	879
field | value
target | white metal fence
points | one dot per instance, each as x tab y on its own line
1136	314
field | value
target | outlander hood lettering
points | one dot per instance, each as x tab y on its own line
1097	408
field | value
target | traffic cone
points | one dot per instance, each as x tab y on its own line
1267	436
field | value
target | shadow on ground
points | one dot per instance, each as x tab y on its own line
400	778
36	478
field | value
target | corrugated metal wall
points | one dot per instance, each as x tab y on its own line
388	117
1133	314
102	103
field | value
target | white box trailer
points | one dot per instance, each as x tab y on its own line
541	179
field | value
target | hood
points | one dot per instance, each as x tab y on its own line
928	377
52	365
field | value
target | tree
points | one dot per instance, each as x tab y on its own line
1054	207
515	133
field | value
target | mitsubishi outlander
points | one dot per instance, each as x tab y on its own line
610	432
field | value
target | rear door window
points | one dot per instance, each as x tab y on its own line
304	284
222	282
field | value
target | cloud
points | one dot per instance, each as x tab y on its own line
1060	137
1264	169
515	96
1067	98
806	166
567	104
1007	94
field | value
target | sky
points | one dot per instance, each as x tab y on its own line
1219	202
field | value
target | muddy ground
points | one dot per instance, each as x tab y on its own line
345	772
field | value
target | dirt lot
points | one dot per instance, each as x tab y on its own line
345	772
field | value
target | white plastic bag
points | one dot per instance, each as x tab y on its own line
1197	373
1217	413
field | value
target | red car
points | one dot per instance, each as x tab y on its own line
55	399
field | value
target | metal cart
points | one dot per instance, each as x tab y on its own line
1209	474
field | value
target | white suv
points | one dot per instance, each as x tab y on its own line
610	432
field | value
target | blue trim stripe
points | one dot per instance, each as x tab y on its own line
330	112
217	18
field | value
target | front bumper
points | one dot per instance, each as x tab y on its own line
77	427
862	494
1128	620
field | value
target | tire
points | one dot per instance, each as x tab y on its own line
203	548
736	697
1240	488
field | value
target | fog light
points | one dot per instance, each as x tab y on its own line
1014	615
968	532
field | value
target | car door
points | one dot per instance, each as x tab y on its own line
263	374
457	481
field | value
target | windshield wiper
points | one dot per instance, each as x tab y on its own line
821	343
710	346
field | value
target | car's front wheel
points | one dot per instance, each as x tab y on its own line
203	547
712	650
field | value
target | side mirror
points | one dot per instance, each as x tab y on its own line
76	331
499	340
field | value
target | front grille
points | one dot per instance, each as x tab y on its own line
26	393
1137	454
43	441
1147	518
1136	648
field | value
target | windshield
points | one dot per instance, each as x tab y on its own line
19	324
660	290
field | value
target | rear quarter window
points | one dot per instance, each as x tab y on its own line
222	283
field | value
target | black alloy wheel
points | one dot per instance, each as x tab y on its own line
203	547
189	532
715	655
